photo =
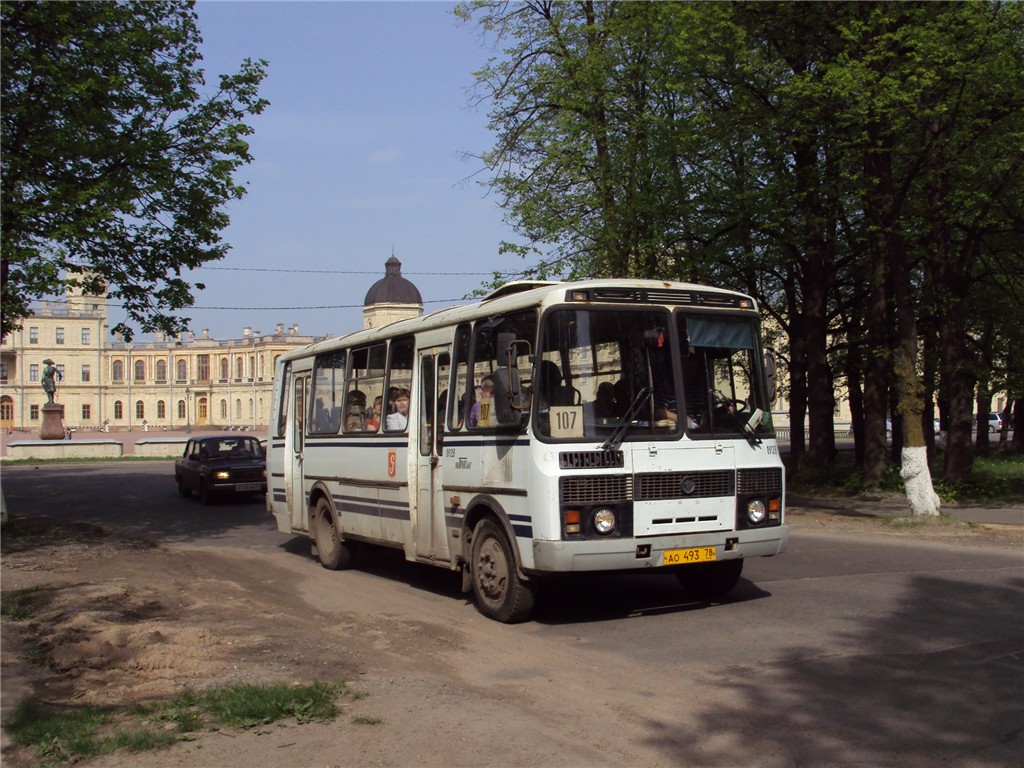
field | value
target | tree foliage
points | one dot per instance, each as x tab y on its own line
855	166
117	162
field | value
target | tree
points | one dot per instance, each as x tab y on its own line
116	165
855	167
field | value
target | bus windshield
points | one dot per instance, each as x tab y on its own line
640	373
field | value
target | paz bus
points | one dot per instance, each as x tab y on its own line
550	428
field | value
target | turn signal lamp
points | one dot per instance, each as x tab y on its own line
572	521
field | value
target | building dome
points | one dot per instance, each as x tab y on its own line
392	298
393	288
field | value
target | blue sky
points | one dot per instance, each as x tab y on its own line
360	154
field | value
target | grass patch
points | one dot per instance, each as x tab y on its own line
63	735
130	459
18	605
996	478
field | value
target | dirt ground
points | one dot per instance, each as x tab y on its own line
119	621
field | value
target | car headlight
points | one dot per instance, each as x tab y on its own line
222	474
756	511
604	521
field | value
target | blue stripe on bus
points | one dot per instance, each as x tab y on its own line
523	531
357	505
451	440
362	443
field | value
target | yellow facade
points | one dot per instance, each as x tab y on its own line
165	383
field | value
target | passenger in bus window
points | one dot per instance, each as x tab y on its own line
397	421
605	406
373	423
480	412
354	424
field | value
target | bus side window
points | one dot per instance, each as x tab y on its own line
460	399
400	363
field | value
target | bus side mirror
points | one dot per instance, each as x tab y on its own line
770	375
509	399
507	392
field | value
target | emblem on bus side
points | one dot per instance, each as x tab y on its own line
392	463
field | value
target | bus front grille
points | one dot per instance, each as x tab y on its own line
685	485
595	489
765	480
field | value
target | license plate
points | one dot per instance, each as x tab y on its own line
247	486
689	555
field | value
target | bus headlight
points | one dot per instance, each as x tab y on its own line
756	511
604	521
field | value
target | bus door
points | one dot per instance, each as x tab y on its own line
431	541
294	480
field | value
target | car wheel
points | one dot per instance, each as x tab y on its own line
709	581
333	553
498	591
183	490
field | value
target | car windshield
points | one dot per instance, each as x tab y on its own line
233	447
637	373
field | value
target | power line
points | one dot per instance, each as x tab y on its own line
341	271
295	309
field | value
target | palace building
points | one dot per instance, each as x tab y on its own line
107	384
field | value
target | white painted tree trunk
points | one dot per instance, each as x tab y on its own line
918	480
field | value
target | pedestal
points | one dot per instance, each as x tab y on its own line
53	422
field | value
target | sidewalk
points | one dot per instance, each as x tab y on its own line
854	507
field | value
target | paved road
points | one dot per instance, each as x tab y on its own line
847	649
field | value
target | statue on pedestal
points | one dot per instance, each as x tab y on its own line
53	424
50	378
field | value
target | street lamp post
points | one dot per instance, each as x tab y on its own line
188	417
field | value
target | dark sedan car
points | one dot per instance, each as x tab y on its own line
216	465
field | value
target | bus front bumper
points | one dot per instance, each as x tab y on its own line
648	552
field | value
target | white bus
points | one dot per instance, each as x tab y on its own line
551	428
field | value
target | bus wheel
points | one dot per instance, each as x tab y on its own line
498	591
709	581
334	554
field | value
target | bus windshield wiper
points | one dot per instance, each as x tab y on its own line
626	421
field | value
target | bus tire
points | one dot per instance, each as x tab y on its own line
333	553
709	581
498	591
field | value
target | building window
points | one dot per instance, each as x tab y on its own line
86	412
181	409
33	335
224	365
86	337
161	409
224	410
182	370
33	372
6	408
60	335
117	371
203	367
118	410
140	409
140	370
238	409
161	370
86	373
3	373
33	413
60	372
